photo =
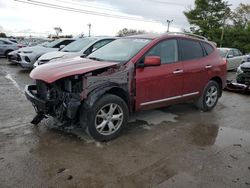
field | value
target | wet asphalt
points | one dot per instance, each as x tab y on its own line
176	146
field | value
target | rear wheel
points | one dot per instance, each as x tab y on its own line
210	96
107	118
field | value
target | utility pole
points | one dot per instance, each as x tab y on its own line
227	11
89	25
169	22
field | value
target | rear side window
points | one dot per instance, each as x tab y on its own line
65	42
237	52
101	43
190	49
167	50
4	42
208	48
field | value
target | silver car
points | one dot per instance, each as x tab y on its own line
7	46
82	46
27	56
234	57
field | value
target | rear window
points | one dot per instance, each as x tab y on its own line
208	48
190	49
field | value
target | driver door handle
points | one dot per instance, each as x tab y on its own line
208	66
178	71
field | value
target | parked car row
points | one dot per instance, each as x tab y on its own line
97	87
237	61
234	57
7	46
31	57
27	56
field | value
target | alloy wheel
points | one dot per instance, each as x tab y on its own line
109	119
211	96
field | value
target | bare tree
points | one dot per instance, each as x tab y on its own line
58	30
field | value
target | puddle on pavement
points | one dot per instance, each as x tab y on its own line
205	135
154	117
229	136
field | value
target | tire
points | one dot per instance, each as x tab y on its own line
107	118
6	53
210	97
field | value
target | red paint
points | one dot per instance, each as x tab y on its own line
54	71
150	83
152	61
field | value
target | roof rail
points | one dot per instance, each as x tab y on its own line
189	34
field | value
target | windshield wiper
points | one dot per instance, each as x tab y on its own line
95	58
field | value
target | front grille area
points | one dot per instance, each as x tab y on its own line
245	69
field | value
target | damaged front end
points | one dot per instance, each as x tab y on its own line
60	99
243	74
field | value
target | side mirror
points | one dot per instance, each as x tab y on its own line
152	61
83	55
230	56
61	47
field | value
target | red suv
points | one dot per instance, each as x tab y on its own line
128	75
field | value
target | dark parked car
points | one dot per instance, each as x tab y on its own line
128	75
243	73
7	46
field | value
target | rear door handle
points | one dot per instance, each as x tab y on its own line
208	66
178	71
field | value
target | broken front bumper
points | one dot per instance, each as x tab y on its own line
54	107
243	78
39	104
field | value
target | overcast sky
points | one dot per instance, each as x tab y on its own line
19	18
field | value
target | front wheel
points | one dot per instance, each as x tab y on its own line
107	118
210	96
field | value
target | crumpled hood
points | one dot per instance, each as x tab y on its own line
60	69
245	65
54	55
37	49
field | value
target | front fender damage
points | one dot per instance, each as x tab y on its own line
119	80
75	96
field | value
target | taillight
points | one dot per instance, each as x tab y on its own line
225	61
20	46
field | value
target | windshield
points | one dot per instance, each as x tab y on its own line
78	45
223	52
121	50
52	44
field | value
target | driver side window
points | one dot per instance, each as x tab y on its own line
167	50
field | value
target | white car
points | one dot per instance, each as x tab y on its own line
234	57
7	46
82	46
27	56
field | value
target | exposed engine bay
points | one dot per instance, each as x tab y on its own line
62	99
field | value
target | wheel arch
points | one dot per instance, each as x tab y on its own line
219	81
7	51
96	94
